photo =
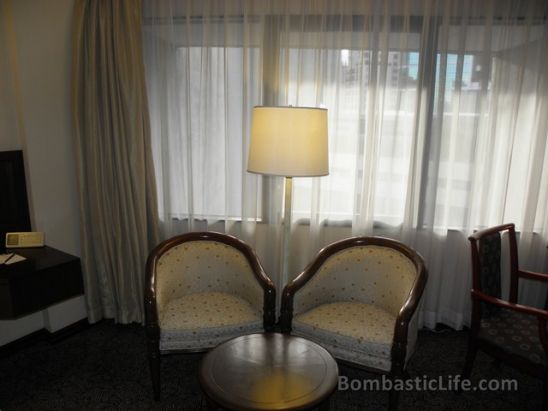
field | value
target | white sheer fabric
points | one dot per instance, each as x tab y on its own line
437	125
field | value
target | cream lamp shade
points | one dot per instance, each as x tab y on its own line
289	141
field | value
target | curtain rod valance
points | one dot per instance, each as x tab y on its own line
479	11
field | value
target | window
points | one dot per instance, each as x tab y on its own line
456	119
372	113
408	114
204	147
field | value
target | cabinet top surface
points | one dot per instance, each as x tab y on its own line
37	259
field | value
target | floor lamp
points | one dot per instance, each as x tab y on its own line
288	142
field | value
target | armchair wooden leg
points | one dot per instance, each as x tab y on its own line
469	361
545	396
394	395
154	362
397	372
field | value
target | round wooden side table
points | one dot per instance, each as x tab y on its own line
269	371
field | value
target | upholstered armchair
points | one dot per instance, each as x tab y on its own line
358	299
203	289
514	333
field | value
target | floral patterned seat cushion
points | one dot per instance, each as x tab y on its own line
204	320
351	331
374	275
516	333
365	287
203	267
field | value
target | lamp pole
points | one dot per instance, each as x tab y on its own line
287	232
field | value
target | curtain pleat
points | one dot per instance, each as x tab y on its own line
118	201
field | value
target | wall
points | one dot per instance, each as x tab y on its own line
36	117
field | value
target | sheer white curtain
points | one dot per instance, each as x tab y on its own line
204	63
437	125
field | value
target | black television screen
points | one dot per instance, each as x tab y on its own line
14	207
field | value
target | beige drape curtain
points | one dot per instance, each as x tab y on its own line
116	176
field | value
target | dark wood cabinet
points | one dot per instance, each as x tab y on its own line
47	276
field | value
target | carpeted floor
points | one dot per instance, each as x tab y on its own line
104	367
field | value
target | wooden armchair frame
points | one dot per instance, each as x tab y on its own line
151	312
399	346
479	297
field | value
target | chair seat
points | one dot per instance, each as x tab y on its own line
351	331
204	320
516	333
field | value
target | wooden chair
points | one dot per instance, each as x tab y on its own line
508	331
203	288
358	299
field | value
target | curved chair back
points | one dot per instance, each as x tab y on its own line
206	262
372	270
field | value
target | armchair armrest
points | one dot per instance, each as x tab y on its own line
410	306
269	290
151	310
288	294
542	315
532	275
539	313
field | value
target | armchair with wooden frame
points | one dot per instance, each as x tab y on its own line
510	332
359	299
203	288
